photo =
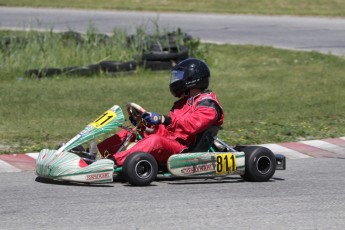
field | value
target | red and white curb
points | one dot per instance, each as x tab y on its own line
331	147
17	162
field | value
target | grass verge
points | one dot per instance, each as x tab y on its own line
268	95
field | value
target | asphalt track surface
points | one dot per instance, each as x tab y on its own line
310	194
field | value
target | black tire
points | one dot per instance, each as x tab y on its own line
48	72
140	169
82	70
157	65
167	54
260	164
71	36
32	72
115	66
45	72
176	36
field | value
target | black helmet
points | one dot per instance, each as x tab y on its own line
189	74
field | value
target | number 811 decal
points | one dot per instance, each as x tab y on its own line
225	163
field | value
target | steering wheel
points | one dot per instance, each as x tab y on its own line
135	111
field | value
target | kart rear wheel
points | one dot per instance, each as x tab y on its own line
260	164
140	169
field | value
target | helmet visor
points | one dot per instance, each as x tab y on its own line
176	75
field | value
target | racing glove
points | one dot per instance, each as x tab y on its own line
155	119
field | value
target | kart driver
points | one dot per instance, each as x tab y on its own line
196	110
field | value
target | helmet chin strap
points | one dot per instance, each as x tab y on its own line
191	96
186	94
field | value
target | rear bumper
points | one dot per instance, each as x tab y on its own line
280	162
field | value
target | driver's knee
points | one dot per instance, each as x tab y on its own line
154	138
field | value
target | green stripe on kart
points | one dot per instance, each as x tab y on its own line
81	173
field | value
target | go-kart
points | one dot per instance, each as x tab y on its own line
208	157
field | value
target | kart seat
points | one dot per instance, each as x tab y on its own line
204	140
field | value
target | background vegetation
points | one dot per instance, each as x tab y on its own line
267	7
268	95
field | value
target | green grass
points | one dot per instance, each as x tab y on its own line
268	95
39	50
267	7
34	50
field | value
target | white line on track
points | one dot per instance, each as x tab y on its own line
289	153
325	146
33	155
5	167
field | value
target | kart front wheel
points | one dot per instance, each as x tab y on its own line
140	169
260	164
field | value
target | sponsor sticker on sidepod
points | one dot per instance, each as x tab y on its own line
98	176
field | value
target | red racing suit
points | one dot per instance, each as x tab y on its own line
189	117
